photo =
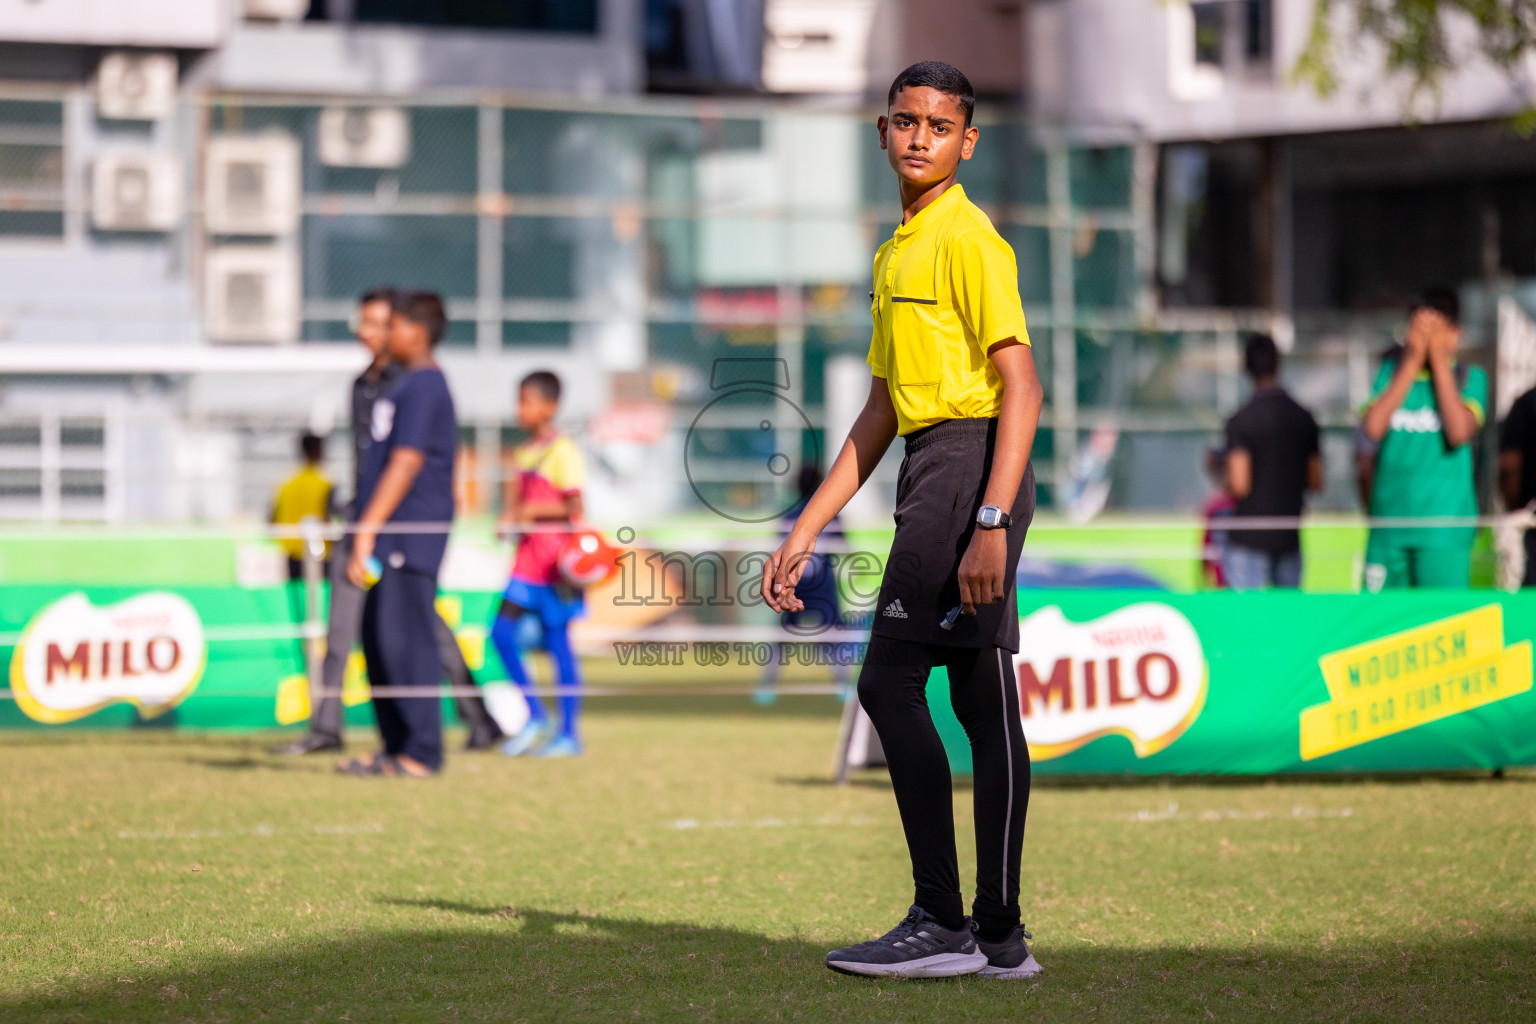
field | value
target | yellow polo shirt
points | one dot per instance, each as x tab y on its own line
305	495
946	290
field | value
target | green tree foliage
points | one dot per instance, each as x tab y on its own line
1417	38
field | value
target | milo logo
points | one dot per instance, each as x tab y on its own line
75	658
1138	672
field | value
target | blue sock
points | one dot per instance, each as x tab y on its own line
558	642
504	636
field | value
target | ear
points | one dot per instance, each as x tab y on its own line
968	144
882	125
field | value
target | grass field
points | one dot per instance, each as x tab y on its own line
696	866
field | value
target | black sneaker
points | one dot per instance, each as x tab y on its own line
918	947
1010	958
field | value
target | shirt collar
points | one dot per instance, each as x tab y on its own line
948	197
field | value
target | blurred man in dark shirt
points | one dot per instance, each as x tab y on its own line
1517	468
407	479
1272	460
346	610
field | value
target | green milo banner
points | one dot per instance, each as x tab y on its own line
1145	683
1111	682
204	657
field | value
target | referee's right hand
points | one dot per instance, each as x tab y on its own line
782	570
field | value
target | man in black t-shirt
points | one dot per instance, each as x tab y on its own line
1517	468
1272	460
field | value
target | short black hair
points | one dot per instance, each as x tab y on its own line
425	309
935	74
544	382
379	295
313	446
1261	356
1442	300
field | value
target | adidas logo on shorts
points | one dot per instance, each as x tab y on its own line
894	610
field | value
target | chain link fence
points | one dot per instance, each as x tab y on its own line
176	297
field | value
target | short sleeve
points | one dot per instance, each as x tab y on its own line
418	406
1475	393
565	468
985	281
1314	439
1516	431
876	357
1383	378
1237	436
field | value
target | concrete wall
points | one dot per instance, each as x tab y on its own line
396	60
1118	62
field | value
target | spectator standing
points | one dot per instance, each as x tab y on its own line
346	608
1215	512
817	591
305	497
545	491
1426	409
1272	460
407	479
1517	468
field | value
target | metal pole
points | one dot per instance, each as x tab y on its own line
314	628
1058	183
488	290
789	326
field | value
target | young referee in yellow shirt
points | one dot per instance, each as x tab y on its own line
954	376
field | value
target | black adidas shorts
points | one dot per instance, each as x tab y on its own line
942	483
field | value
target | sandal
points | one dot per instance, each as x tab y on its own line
362	766
390	767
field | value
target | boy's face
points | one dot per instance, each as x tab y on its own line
533	409
373	326
407	339
1435	329
924	135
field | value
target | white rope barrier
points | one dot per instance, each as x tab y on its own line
1521	519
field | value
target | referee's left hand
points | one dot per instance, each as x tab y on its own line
981	569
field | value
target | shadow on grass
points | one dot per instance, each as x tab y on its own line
441	959
252	763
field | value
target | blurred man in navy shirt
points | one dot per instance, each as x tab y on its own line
407	478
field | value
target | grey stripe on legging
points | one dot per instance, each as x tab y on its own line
1002	686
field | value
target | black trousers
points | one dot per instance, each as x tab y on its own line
400	642
982	689
342	632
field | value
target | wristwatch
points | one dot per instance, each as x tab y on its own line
990	517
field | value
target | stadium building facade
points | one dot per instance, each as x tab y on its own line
192	194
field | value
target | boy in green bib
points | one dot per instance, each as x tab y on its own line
1426	410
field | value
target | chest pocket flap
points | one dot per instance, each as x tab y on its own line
917	320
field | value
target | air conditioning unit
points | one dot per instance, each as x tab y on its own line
276	10
136	190
251	294
364	137
136	86
817	46
252	185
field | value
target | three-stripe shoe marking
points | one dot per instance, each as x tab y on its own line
918	947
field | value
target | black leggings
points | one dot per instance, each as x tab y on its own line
893	689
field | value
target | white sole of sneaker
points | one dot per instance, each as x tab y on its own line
1028	969
940	965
